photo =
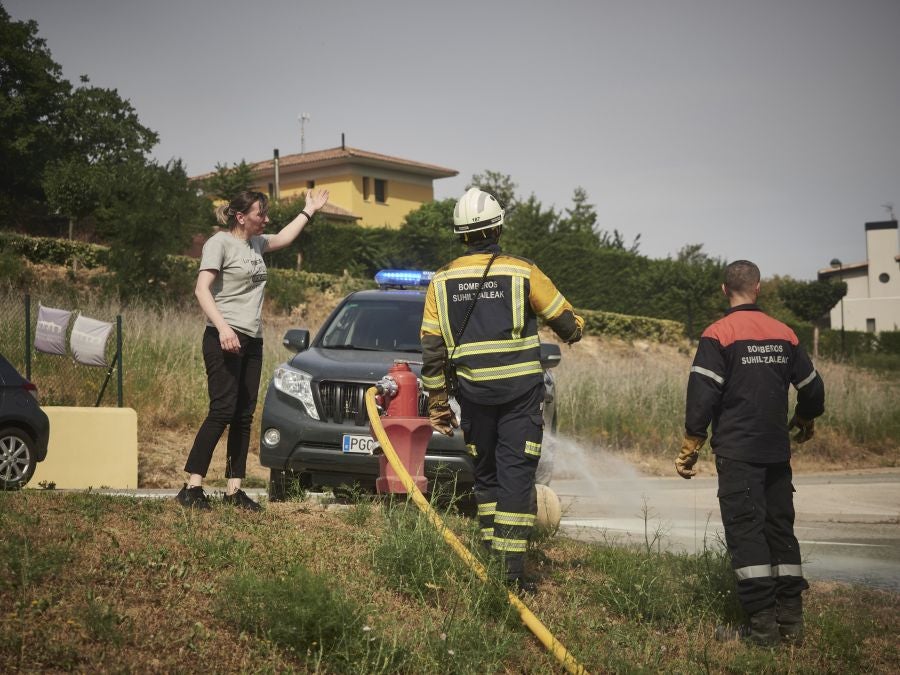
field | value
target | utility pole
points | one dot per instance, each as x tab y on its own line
303	118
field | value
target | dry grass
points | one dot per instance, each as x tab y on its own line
97	584
622	396
630	398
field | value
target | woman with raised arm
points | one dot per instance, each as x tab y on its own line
230	288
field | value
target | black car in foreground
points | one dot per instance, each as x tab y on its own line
314	429
24	428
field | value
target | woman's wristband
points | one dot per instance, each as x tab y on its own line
308	217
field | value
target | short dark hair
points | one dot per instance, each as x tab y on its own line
741	276
489	234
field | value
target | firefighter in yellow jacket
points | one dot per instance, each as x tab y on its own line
486	352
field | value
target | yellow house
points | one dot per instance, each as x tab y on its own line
374	189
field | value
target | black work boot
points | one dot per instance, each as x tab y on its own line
762	630
241	501
193	497
789	616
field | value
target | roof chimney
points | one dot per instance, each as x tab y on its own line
277	185
342	141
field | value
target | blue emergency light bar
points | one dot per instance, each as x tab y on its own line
403	278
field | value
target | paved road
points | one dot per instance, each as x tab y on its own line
848	524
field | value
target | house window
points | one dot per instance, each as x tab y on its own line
870	325
380	190
365	188
884	277
310	184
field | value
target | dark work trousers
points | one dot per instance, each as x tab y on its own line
506	443
233	383
757	504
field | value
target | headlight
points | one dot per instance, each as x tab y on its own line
298	384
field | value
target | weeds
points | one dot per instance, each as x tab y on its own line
302	612
394	600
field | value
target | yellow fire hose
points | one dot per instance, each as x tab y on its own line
528	618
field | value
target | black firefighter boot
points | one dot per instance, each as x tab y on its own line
789	615
762	630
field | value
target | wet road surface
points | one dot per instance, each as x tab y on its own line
848	524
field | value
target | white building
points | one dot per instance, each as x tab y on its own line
872	302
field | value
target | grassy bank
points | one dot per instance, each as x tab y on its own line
98	584
631	398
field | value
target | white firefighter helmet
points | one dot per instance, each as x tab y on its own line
476	210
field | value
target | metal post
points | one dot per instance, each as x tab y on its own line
119	353
28	337
836	262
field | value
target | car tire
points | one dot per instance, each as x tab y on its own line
287	484
18	458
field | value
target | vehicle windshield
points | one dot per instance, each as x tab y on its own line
375	325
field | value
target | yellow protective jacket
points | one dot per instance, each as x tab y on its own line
498	355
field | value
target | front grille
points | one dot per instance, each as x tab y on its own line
345	402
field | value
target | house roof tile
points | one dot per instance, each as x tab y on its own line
343	155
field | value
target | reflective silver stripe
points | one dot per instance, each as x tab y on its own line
498	346
753	572
553	308
487	533
440	296
710	374
518	306
436	382
507	518
787	570
500	372
487	509
430	327
532	448
497	269
510	545
809	379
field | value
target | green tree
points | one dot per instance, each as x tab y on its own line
500	185
227	182
148	213
32	98
581	217
811	301
692	284
528	230
99	132
426	237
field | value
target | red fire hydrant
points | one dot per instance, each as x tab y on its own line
409	434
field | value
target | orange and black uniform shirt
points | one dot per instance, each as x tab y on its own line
498	356
739	381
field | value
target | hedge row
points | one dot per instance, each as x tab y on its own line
628	327
854	341
52	251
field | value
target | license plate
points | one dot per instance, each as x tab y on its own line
358	445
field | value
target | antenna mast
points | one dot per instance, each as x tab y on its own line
303	118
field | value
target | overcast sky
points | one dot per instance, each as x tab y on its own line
763	129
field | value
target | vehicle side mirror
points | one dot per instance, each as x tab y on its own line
550	355
297	339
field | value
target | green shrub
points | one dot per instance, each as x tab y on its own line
52	251
629	327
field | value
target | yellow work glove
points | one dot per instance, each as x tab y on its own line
439	412
807	428
690	451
